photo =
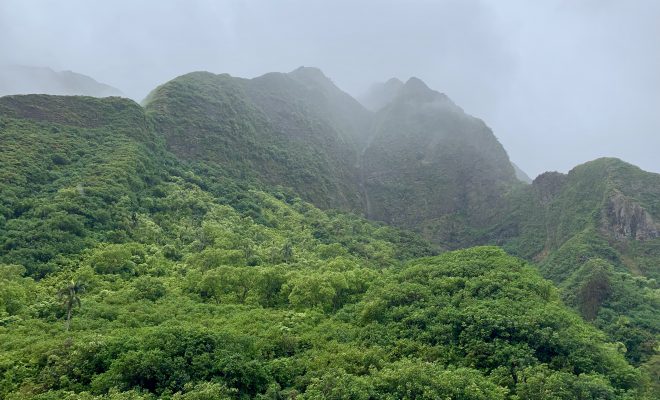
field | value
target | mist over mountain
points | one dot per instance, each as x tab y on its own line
381	94
17	79
419	162
541	74
274	237
429	165
520	174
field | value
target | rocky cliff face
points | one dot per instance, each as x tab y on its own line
625	219
605	201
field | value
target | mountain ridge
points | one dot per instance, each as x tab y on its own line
339	126
209	272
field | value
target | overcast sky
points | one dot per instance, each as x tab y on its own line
560	82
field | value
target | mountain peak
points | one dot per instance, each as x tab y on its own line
394	82
416	84
309	74
314	78
415	88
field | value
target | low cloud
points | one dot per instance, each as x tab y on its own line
560	82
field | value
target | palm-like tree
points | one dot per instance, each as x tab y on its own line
287	251
69	296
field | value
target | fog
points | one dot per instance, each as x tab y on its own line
560	82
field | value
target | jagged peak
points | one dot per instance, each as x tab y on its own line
549	176
313	77
381	94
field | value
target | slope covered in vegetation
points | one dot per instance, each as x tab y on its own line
419	163
595	232
432	168
73	172
171	252
278	129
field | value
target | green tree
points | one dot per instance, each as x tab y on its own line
287	251
70	298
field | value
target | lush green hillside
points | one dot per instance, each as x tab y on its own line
278	129
595	233
319	323
74	171
419	163
177	251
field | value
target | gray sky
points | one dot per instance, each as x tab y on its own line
560	82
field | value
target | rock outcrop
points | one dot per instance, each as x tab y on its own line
626	219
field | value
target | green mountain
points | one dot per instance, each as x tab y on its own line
297	130
72	170
15	79
432	168
209	245
419	163
595	232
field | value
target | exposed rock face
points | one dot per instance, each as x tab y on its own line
626	219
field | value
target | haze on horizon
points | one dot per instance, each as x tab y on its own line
559	82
